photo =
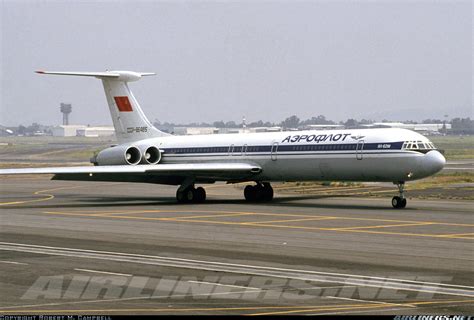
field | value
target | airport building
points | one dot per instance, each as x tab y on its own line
82	131
195	130
424	128
250	130
214	130
96	132
66	130
323	126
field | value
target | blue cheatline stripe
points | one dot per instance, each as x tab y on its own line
280	155
285	148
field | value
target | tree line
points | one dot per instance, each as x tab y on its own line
458	125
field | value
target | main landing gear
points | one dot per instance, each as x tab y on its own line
400	202
259	193
191	194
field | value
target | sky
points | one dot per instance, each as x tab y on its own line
219	60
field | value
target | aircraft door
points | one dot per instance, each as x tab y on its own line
274	151
360	149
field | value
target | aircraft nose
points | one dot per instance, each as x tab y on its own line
434	161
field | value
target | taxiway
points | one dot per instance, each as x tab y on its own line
129	248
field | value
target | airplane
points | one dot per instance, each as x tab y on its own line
145	154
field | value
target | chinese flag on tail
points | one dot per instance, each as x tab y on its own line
123	104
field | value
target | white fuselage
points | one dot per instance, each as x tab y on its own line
148	155
357	155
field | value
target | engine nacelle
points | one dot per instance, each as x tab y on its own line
119	155
151	155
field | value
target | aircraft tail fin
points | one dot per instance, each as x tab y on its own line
129	121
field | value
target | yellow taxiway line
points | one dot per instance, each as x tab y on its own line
112	213
286	309
272	224
40	192
125	214
365	306
388	226
43	193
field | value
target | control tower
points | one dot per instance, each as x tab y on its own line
66	109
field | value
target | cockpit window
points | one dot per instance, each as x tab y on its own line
418	146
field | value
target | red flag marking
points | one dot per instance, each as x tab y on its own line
123	104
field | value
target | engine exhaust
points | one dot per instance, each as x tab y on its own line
132	155
152	155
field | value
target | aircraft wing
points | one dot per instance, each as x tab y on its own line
146	173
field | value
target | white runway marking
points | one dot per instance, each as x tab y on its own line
13	262
306	275
224	285
105	272
166	296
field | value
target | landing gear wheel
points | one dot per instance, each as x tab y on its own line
399	203
180	196
200	195
250	194
191	195
185	196
396	201
404	203
258	193
267	192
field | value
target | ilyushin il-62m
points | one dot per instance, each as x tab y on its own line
147	155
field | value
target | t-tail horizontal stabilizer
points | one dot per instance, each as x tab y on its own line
129	121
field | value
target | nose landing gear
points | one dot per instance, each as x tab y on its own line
261	192
400	202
